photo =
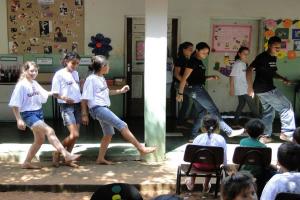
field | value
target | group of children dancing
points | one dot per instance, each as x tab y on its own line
190	77
28	97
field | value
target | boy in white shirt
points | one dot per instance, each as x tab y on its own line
288	181
26	102
66	88
95	96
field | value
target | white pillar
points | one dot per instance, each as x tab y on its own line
155	77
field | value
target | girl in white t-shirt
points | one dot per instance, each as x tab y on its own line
66	88
95	96
210	125
26	102
238	83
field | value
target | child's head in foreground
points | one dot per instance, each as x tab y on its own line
238	186
255	128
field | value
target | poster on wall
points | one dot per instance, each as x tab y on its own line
45	26
140	50
229	38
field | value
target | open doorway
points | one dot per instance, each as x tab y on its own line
134	45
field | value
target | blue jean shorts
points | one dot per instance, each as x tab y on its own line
32	117
107	119
70	113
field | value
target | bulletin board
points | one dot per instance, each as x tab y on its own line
289	32
45	26
229	38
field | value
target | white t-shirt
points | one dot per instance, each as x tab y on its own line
238	72
95	90
215	140
28	96
286	182
66	83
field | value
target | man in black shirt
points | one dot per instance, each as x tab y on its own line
270	97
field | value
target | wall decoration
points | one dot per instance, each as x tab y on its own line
100	45
292	55
140	50
289	31
297	45
229	38
296	34
45	26
283	33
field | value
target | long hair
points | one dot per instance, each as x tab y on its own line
200	46
241	49
25	67
210	124
183	46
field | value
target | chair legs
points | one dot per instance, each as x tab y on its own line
217	186
178	180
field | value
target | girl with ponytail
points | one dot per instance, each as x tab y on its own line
238	83
96	102
209	137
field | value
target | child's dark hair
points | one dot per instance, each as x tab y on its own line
210	124
273	40
183	46
296	136
200	46
70	56
241	49
255	128
98	62
288	156
236	183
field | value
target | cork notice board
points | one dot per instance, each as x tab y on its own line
45	26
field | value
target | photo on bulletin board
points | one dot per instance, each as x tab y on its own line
296	34
283	33
229	38
296	45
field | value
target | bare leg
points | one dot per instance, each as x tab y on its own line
39	138
56	143
126	133
70	141
102	150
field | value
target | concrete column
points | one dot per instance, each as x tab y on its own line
156	20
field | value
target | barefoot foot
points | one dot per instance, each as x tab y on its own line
29	166
147	150
104	162
72	157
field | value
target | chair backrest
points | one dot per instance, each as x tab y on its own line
252	156
287	196
204	154
117	191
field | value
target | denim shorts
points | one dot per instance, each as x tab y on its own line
107	119
32	117
70	113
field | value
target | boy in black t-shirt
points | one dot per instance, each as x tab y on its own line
270	97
